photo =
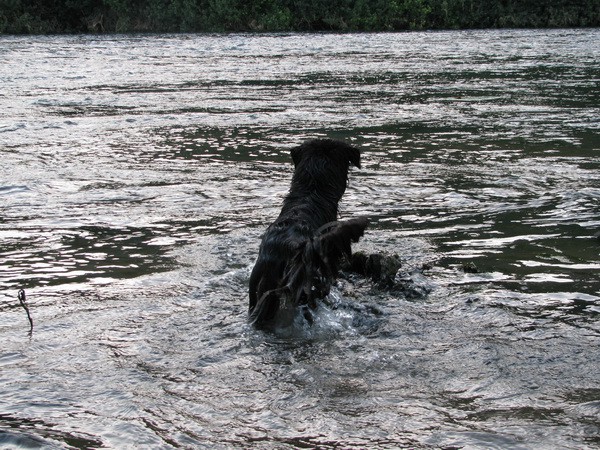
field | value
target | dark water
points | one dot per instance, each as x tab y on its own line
138	172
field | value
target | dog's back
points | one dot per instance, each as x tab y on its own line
300	251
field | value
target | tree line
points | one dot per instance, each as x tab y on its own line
122	16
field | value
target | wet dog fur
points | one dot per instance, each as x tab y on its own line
300	252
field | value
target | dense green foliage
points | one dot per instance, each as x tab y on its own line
74	16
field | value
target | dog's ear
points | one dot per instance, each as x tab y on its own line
296	153
353	156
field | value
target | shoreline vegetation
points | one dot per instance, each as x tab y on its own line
135	16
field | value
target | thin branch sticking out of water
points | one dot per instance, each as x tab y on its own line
21	297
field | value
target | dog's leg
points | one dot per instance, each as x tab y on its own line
334	242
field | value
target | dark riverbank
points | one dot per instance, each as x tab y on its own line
109	16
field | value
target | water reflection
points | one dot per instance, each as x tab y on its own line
100	255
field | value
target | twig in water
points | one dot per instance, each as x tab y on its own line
21	296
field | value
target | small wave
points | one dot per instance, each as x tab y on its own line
5	190
15	127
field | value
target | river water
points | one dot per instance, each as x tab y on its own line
138	172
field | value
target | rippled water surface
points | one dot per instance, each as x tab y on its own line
138	172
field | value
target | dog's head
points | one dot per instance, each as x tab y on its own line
324	163
336	152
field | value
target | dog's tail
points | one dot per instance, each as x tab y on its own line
267	306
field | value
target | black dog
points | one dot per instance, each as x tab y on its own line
299	253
